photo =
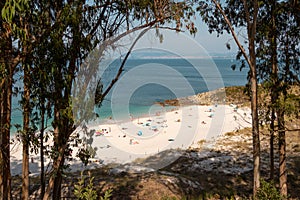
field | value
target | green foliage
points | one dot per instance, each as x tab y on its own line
107	195
291	104
268	191
230	198
88	192
83	192
84	155
86	151
11	9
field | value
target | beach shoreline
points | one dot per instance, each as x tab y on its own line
142	137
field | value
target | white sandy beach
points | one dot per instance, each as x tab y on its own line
147	136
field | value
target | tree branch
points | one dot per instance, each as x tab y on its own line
111	41
232	31
112	83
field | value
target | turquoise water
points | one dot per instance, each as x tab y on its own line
148	93
142	100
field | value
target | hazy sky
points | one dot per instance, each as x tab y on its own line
186	42
211	42
203	44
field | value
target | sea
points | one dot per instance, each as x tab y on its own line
146	81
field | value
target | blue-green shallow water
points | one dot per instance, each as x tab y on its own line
142	100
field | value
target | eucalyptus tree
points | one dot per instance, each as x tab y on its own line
288	75
41	95
272	36
267	53
278	53
51	39
232	17
81	28
8	64
12	36
26	24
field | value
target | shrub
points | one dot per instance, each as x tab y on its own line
268	191
83	192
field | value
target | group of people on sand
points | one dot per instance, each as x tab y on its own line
103	131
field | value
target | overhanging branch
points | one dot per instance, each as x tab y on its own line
112	83
232	31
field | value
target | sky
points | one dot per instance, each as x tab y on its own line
184	44
210	43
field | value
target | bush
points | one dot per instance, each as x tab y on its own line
88	192
268	191
83	192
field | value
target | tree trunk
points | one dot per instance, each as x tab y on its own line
6	94
42	181
251	32
251	60
56	165
254	108
58	181
282	154
274	79
25	170
272	127
25	136
255	135
61	135
61	141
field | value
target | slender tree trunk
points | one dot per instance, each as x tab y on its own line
56	165
25	136
281	125
8	63
42	181
58	181
274	90
61	133
251	31
5	188
282	154
255	135
59	151
61	141
25	170
2	131
254	108
272	127
251	60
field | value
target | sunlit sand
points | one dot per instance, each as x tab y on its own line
140	137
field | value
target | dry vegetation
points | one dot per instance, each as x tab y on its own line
228	95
